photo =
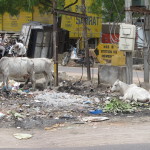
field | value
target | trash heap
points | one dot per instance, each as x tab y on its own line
59	99
79	103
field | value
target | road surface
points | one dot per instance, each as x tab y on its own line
137	75
109	147
118	133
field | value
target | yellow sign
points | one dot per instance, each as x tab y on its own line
14	23
42	17
110	54
75	25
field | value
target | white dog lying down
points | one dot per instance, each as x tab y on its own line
131	92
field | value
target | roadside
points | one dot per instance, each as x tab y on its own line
115	131
138	73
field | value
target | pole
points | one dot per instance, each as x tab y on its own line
129	59
146	65
55	47
146	44
86	41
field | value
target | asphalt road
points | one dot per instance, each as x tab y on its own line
77	70
137	75
144	146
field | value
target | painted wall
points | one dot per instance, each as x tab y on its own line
74	24
14	23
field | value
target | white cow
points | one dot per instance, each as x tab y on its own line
131	92
44	65
18	49
17	67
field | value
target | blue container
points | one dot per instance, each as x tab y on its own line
96	112
27	91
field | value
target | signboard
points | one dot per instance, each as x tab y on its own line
105	52
14	23
42	17
75	25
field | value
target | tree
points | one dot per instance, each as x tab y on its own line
111	10
15	6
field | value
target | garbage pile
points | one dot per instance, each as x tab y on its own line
13	86
59	99
73	102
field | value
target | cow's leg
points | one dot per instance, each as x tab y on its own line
46	79
50	78
5	81
32	78
27	81
127	98
5	74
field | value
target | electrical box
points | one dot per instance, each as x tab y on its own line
127	31
126	44
127	37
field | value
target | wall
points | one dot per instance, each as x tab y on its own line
75	25
44	18
109	74
14	23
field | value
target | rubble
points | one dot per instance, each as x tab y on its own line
49	109
94	119
59	99
1	115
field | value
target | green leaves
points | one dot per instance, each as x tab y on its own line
15	6
96	7
111	10
117	106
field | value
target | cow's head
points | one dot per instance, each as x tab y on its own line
116	86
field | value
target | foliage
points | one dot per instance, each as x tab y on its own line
143	106
15	6
47	5
110	9
117	106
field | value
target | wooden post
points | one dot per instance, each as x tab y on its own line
86	41
129	59
55	47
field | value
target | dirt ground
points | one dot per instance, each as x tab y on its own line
60	126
